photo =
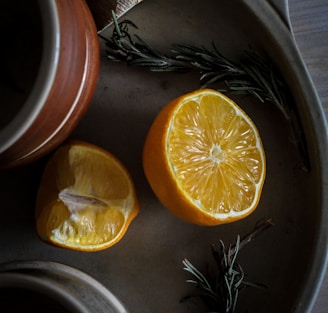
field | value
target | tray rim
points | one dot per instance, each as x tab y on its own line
274	16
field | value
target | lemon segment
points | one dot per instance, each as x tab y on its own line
86	199
211	160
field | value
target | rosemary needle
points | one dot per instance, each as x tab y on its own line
254	74
220	293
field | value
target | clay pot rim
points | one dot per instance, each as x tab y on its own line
44	81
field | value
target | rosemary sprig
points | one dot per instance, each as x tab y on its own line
253	75
220	293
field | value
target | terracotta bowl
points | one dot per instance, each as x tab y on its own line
49	70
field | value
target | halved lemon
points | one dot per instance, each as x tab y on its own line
204	159
86	199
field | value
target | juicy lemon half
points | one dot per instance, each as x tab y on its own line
86	199
204	159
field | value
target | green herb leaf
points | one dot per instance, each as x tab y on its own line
254	75
220	292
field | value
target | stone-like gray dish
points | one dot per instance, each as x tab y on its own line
75	290
144	270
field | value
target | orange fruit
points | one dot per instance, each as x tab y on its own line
203	158
86	199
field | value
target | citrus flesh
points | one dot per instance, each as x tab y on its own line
86	199
204	159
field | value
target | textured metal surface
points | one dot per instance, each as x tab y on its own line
144	270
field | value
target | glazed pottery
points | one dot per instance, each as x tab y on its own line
43	286
51	65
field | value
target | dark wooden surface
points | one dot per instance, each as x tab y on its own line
309	20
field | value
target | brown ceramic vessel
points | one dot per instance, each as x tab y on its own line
45	96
